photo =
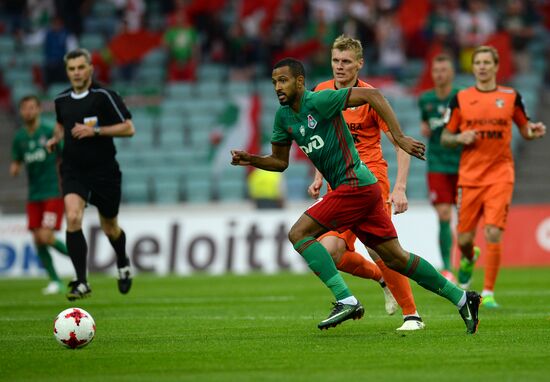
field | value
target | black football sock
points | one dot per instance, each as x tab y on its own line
78	251
119	245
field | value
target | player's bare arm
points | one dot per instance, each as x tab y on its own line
124	129
361	96
533	130
15	168
464	138
57	137
277	161
315	187
398	197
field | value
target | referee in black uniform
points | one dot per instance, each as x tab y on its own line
88	117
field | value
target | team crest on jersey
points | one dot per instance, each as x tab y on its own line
90	121
500	103
441	109
311	122
302	130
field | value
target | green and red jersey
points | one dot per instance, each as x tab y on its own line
321	132
30	149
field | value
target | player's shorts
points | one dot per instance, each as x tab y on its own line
45	214
348	236
492	202
99	186
442	187
359	209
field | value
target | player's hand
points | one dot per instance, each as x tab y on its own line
398	199
537	130
80	131
51	144
412	147
240	158
466	137
314	188
425	131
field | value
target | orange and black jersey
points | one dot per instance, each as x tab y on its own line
490	114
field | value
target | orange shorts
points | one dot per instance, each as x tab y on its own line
492	202
348	236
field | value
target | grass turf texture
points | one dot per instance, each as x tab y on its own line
263	328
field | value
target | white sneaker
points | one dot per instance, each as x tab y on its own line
391	304
412	323
52	288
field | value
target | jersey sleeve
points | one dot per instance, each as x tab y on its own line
423	112
330	102
16	152
520	114
280	135
452	116
118	106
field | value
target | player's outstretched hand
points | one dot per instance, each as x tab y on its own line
466	137
412	147
80	131
240	158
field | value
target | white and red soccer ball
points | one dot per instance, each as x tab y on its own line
74	328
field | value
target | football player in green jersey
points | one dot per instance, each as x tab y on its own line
44	205
316	123
442	161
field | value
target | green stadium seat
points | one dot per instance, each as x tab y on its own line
167	190
212	72
179	91
198	189
92	41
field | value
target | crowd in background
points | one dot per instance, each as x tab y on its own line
250	35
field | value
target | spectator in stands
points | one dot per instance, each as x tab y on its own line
181	40
520	24
57	42
474	27
390	42
440	28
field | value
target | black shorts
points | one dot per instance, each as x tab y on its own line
100	186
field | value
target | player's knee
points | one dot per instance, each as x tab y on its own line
294	235
111	230
493	234
465	242
74	220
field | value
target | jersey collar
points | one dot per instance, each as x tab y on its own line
79	96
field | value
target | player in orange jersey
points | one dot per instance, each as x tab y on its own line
365	125
480	118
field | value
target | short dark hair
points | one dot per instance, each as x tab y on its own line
296	67
78	52
29	97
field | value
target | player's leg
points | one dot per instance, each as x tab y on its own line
444	213
497	204
117	238
42	237
341	247
106	195
53	217
76	245
302	236
428	277
470	207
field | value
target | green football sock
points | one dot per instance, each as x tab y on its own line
445	243
47	263
60	247
320	262
427	277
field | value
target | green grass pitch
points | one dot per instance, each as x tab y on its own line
263	328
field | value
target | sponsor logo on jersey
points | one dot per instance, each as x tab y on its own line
311	122
315	143
500	103
90	121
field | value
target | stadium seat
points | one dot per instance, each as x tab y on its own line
92	41
179	91
235	88
198	189
212	72
167	190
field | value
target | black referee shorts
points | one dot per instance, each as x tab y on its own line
100	186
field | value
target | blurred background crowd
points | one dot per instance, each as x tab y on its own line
196	73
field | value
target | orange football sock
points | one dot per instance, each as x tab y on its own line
400	288
492	265
355	264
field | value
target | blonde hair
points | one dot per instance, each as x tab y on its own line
486	49
344	42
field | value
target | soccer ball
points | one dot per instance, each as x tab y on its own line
74	328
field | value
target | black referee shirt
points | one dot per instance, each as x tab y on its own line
96	107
